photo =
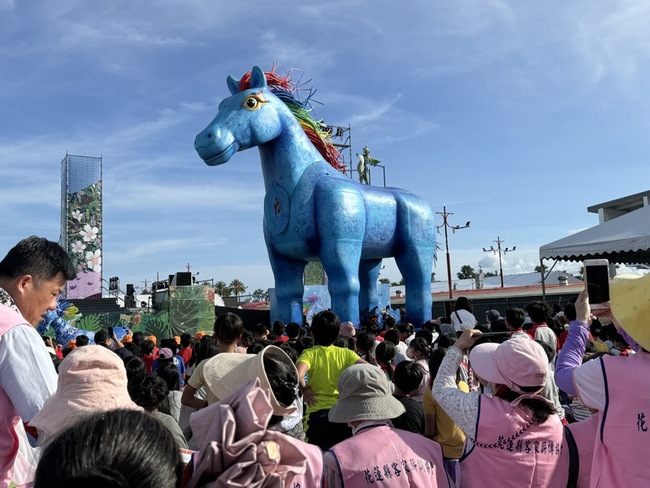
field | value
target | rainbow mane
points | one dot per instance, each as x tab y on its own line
284	88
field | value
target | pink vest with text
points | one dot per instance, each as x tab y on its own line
623	439
387	457
314	473
584	435
9	417
532	459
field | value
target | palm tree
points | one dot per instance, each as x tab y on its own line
222	289
237	287
259	295
466	271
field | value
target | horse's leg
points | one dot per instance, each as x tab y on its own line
415	258
340	259
288	285
368	275
415	264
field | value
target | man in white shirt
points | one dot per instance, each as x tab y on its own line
32	276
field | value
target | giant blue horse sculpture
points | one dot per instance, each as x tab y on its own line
313	212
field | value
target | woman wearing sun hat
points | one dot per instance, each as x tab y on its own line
91	379
378	454
617	386
514	436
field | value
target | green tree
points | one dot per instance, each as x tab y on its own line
466	272
237	287
259	295
222	288
490	273
433	277
314	273
384	281
541	268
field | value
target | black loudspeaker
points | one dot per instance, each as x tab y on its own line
183	279
130	291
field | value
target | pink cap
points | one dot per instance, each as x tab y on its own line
515	363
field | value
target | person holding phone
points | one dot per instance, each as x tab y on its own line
505	422
618	387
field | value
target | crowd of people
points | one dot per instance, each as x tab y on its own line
539	397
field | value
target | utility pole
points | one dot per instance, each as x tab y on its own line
454	228
500	250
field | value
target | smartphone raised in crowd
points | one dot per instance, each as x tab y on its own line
596	275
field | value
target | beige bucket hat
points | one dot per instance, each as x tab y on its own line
229	371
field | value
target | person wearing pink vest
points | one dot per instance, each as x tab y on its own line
32	275
514	436
377	453
583	434
618	387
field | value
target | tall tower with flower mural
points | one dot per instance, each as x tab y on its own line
81	223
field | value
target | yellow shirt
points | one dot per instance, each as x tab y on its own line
450	437
324	366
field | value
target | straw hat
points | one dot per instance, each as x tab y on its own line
364	394
228	371
91	379
514	363
630	305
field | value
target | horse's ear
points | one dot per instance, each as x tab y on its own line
258	79
233	85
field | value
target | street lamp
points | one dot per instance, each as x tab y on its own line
500	250
453	228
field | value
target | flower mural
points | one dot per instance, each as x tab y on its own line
89	233
94	260
78	247
84	226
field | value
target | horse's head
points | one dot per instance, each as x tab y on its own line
245	119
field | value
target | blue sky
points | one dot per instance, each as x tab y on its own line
515	115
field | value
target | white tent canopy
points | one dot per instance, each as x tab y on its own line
625	239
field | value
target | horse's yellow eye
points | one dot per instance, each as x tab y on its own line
253	102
